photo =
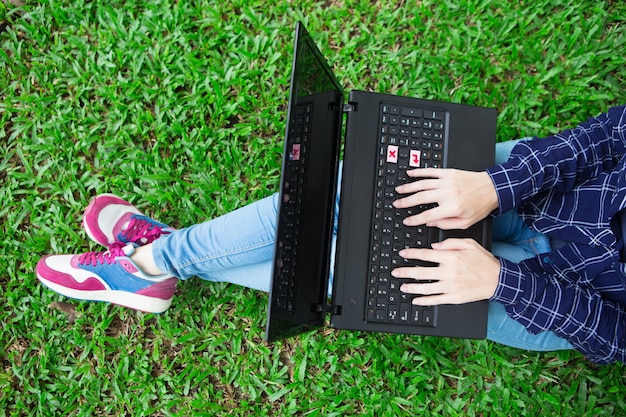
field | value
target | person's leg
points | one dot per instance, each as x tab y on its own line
127	274
515	241
237	247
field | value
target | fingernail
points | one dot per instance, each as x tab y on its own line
402	253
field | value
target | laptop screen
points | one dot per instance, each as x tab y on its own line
298	292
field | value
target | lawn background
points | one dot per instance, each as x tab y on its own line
179	106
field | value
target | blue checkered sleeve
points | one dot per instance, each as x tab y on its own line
558	163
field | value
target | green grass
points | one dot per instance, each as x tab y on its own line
180	107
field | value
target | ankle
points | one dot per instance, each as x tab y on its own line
142	256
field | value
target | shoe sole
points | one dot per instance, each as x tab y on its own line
124	298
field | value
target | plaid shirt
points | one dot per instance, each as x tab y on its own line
571	187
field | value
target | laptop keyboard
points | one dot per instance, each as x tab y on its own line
297	142
409	138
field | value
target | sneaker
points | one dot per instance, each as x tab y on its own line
109	276
109	219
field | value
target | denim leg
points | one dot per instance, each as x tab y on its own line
237	247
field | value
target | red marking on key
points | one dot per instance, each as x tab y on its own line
392	154
295	152
414	160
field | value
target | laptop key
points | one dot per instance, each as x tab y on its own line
411	112
415	314
435	115
405	311
427	317
392	313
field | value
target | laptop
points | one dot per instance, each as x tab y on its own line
378	137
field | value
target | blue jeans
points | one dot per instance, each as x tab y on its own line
238	248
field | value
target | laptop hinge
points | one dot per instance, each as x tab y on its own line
347	107
327	309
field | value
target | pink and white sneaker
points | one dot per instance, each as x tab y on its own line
109	219
109	276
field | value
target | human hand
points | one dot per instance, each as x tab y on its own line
463	197
465	272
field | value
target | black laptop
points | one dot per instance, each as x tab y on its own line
385	135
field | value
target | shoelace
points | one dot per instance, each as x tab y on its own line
142	231
108	257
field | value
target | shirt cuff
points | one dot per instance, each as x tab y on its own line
510	283
504	190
